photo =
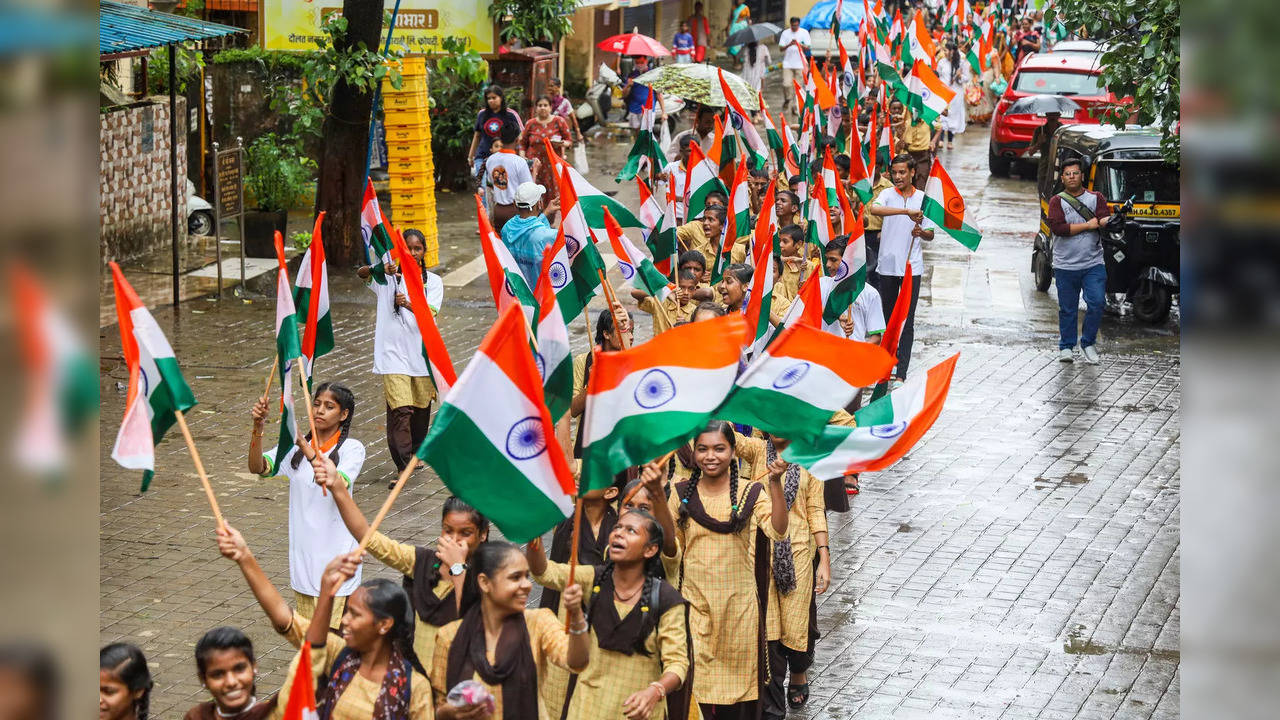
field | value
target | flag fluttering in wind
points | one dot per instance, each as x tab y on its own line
898	318
552	351
312	293
771	132
645	150
288	349
575	272
944	207
506	282
649	399
851	275
157	390
60	379
760	304
493	442
886	429
662	241
302	693
377	240
433	350
704	177
793	388
750	138
737	220
929	96
637	270
592	199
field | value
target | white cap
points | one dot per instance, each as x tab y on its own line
528	194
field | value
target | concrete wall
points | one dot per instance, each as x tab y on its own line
133	179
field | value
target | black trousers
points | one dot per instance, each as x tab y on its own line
889	287
746	710
406	429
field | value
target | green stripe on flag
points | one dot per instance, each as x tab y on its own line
773	411
457	448
966	234
636	440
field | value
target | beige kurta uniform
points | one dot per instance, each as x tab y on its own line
788	618
664	319
401	557
718	580
357	701
612	677
547	639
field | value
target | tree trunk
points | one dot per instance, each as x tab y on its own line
346	140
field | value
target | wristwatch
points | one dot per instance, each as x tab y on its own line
457	568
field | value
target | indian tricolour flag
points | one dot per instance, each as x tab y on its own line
760	304
920	43
886	436
797	383
575	272
944	207
60	382
820	230
637	270
858	175
750	138
288	348
704	176
650	208
661	241
439	364
726	139
647	400
929	96
551	352
829	177
645	151
373	228
157	390
302	694
737	222
493	442
312	293
771	133
851	275
594	201
506	282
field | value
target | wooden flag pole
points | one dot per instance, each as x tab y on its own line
386	504
204	479
271	376
573	548
612	301
311	415
631	495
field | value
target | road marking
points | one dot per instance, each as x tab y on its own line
1006	290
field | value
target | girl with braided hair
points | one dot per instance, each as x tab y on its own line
723	527
438	577
124	683
801	566
637	619
316	531
367	672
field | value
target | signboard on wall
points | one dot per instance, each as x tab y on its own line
421	25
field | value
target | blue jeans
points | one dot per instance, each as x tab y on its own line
1070	282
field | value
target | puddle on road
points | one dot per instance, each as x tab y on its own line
1071	478
1077	644
904	527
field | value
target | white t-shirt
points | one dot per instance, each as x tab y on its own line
397	343
680	178
793	57
316	531
868	314
505	171
895	234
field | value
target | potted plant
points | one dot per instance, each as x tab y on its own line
277	179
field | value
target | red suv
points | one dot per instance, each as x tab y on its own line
1068	74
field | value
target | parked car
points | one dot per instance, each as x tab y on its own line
1068	74
823	46
1079	47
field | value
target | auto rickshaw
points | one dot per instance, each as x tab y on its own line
1141	246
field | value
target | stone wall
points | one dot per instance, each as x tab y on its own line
133	179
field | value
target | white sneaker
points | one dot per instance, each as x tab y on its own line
1067	355
1091	355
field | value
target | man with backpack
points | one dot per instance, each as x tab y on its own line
1076	216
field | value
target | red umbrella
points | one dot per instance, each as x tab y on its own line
633	44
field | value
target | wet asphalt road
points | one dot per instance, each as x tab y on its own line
1022	562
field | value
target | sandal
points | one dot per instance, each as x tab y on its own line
797	695
851	485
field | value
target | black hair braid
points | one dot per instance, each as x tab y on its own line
735	521
142	706
403	639
689	489
671	468
648	615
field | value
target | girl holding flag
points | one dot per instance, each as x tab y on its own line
316	531
723	527
640	649
502	644
439	582
397	353
368	671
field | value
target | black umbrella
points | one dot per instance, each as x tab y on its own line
753	33
1042	105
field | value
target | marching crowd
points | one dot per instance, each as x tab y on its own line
697	575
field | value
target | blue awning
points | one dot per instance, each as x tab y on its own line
128	29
